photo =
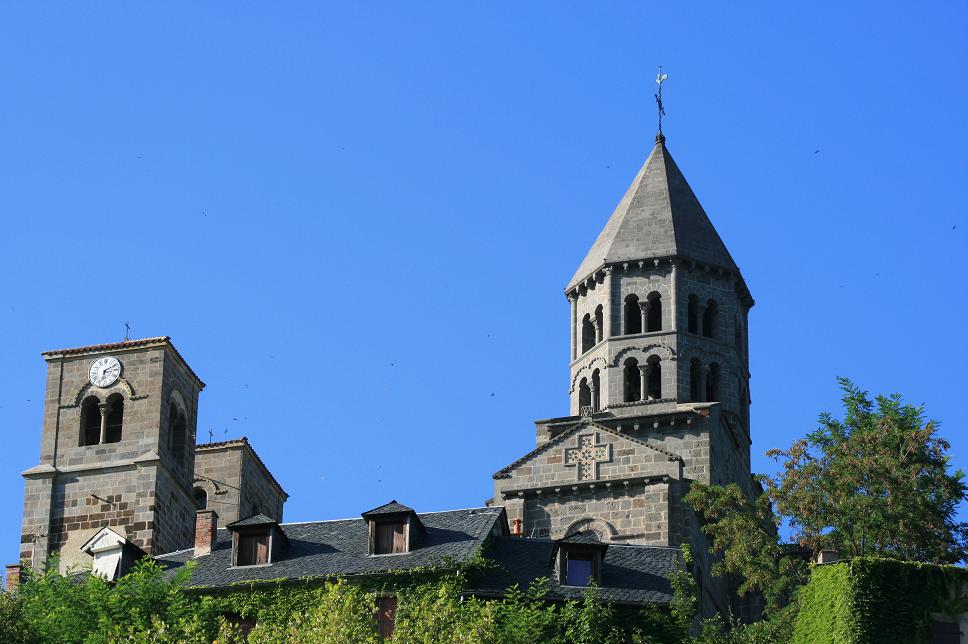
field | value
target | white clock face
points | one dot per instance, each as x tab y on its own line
105	371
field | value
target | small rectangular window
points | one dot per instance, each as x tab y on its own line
390	539
579	570
386	615
252	550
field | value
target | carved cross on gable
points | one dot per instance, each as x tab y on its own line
587	456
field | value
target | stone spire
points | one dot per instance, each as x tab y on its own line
659	217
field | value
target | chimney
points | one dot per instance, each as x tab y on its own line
827	556
13	577
206	524
516	527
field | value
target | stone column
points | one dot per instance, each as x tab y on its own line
700	311
674	310
703	375
644	308
105	410
607	306
593	388
598	328
573	300
644	381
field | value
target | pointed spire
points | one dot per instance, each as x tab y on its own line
659	217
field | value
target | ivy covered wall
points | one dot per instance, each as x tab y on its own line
878	601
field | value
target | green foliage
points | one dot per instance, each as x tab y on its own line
55	608
143	607
869	599
745	533
875	483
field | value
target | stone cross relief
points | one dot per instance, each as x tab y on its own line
587	456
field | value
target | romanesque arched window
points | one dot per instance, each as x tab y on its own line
695	380
633	315
632	380
599	323
654	379
115	418
596	390
201	498
587	333
584	394
177	430
654	317
709	319
693	314
90	421
712	383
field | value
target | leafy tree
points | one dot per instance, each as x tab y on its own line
744	532
879	481
876	482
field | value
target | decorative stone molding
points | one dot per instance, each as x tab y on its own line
587	455
661	351
82	393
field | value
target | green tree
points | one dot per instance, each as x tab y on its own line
877	482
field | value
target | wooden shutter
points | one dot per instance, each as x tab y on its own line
386	614
399	538
262	549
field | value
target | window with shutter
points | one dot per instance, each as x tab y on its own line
386	614
390	539
252	550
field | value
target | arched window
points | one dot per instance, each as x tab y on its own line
654	322
596	390
695	380
654	380
599	323
633	315
584	395
90	421
201	498
115	419
709	319
712	383
693	314
177	430
587	333
633	381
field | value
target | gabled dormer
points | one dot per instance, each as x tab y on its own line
257	541
112	552
578	560
393	529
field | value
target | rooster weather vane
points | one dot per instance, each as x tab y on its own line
659	79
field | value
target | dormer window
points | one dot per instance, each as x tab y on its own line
256	541
252	549
393	529
579	560
391	538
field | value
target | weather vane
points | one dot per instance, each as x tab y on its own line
127	329
659	79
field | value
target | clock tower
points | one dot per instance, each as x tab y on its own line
117	449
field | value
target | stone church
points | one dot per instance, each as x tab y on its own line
658	398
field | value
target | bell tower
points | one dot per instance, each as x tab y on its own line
117	449
658	306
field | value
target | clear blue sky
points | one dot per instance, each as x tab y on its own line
356	222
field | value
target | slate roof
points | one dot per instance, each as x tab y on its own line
630	574
329	548
388	508
255	519
659	216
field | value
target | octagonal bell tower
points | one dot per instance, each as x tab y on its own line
658	306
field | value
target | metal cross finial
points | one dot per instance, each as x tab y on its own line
659	79
127	330
211	435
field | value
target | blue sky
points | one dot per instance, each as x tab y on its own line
356	221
